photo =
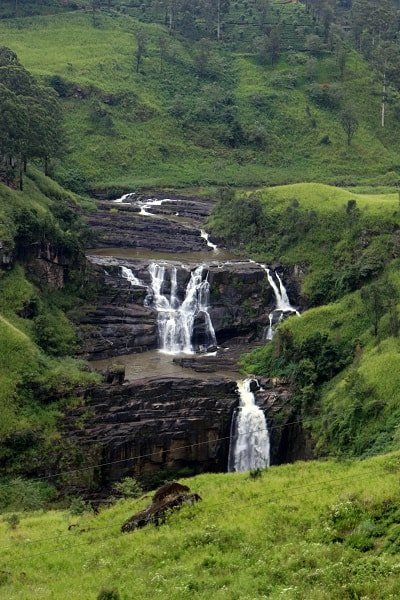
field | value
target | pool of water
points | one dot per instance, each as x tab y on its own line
183	257
155	364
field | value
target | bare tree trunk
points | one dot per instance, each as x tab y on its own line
383	112
219	20
21	173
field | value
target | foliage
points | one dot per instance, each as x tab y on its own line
159	119
30	118
129	487
23	494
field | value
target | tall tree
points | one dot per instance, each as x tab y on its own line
141	48
349	123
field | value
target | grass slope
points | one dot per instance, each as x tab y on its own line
161	127
322	531
35	383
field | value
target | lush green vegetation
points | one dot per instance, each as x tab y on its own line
324	530
344	249
198	112
35	383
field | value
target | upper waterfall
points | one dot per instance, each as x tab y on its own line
249	447
176	319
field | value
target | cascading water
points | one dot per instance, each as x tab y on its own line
270	332
176	320
281	296
133	280
249	447
206	237
146	205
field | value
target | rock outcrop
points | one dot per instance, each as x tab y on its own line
153	424
119	225
240	301
170	497
288	438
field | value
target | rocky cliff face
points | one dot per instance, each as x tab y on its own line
240	300
289	440
120	225
154	424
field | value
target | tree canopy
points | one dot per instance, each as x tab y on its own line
30	120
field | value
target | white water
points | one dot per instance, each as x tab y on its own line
206	237
249	447
147	204
175	319
133	280
270	331
123	198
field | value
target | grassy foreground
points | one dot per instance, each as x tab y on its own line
322	531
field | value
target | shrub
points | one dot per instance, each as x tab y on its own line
284	80
60	85
22	494
326	95
78	507
55	334
108	594
12	521
129	487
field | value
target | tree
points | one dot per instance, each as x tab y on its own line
141	48
386	59
30	120
377	299
271	48
314	45
162	48
349	123
342	54
95	5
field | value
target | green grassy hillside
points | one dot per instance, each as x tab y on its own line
344	250
36	377
234	122
322	531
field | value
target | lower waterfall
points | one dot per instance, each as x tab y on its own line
176	319
249	446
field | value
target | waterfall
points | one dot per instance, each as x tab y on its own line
270	331
281	295
249	447
133	280
124	198
206	236
176	320
144	206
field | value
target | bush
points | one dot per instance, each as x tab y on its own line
12	521
284	80
129	487
326	95
78	507
108	595
60	85
55	334
22	494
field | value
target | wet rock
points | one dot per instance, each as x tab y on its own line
121	226
168	498
152	424
289	440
